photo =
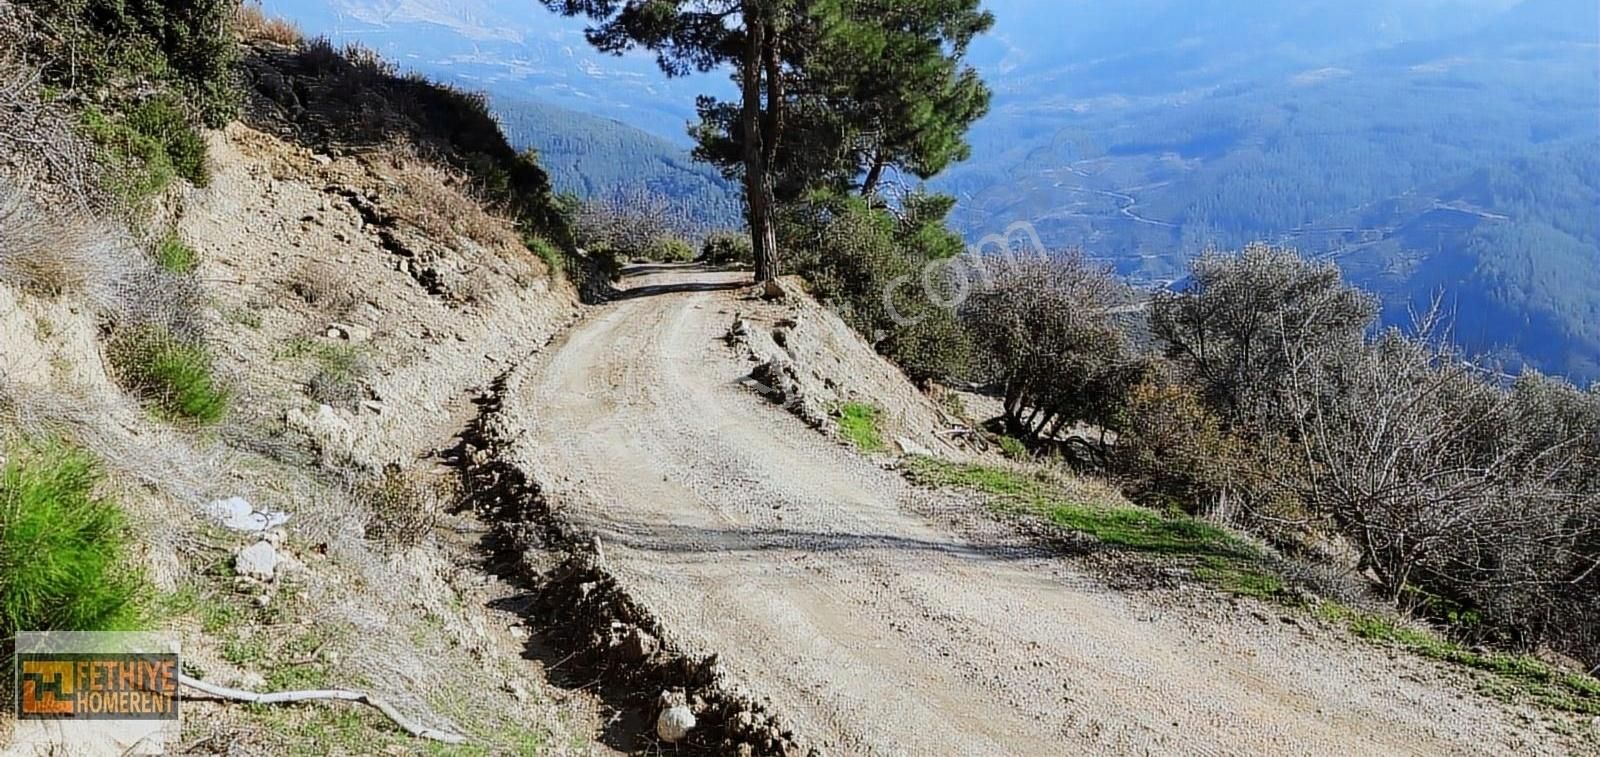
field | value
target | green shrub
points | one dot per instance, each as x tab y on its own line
671	250
552	256
139	167
728	248
163	120
147	148
187	45
1013	448
175	377
175	256
858	424
64	557
883	275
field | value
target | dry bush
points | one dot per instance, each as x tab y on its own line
1042	332
252	24
440	202
404	507
1229	327
323	286
48	255
51	255
46	155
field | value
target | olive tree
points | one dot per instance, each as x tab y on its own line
1045	335
1228	325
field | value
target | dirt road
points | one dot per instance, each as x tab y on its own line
823	584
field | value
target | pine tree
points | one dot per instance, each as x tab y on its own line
748	36
832	92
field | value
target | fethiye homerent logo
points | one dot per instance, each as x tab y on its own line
92	693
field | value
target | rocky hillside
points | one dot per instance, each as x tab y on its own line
267	375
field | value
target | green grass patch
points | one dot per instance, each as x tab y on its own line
65	558
549	253
1518	675
215	614
858	424
175	377
1013	448
1219	558
175	256
147	148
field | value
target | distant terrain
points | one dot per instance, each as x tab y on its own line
1433	147
600	158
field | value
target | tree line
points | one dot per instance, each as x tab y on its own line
1269	398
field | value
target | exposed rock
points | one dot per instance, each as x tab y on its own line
674	724
911	447
258	561
639	646
327	426
350	332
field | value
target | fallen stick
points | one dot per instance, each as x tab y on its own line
344	695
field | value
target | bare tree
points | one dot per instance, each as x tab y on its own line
1441	479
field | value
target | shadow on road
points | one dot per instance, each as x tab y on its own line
655	290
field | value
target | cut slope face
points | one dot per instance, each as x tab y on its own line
828	584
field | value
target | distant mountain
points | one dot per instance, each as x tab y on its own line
513	48
597	157
1513	249
1144	131
1401	138
602	124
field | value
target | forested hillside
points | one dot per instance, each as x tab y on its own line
599	158
1428	147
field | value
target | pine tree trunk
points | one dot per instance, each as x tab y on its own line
874	175
757	180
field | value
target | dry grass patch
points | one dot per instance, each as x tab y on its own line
441	203
405	507
252	24
47	255
323	286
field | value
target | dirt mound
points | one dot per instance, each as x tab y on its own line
807	359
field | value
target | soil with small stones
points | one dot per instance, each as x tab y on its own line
866	615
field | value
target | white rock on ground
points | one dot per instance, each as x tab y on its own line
909	447
675	723
258	561
237	514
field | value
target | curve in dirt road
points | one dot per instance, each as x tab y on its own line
825	583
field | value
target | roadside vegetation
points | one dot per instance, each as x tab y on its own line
66	551
174	256
176	378
1216	556
859	424
1262	395
145	81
